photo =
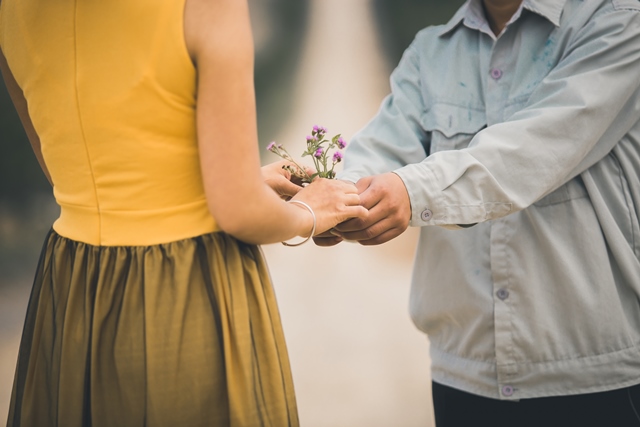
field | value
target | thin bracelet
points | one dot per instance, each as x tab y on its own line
313	229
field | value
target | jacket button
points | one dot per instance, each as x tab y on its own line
426	215
507	391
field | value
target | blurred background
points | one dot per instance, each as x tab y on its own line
357	359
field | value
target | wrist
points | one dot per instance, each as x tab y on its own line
307	222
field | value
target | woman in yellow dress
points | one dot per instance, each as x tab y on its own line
152	305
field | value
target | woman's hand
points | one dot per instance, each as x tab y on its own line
333	202
280	180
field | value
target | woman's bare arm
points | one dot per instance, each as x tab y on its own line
20	104
219	39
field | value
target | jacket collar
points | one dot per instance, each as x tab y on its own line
471	14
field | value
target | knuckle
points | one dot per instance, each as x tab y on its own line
358	223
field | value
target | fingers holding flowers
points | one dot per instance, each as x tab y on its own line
332	201
319	148
279	177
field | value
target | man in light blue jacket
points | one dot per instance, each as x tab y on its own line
512	138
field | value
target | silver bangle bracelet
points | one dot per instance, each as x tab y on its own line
313	229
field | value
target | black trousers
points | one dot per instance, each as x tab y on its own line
617	408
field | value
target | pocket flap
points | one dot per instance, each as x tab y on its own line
451	119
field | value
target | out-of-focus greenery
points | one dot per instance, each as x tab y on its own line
277	55
399	21
20	173
26	204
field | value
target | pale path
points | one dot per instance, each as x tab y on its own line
357	359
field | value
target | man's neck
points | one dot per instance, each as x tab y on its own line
499	12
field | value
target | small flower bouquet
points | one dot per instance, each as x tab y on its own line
319	149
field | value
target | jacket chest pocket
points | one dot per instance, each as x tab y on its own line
452	127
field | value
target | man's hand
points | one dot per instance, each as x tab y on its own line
327	239
389	207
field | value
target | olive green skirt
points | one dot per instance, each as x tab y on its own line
182	334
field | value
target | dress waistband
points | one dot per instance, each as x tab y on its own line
97	227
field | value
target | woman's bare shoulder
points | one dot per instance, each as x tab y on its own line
217	26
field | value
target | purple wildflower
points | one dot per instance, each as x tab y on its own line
318	153
319	131
271	146
337	157
341	143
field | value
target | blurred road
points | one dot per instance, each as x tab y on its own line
357	359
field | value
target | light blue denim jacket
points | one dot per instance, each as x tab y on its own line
534	136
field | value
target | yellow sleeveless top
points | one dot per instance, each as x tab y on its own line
111	93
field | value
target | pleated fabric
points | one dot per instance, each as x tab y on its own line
179	334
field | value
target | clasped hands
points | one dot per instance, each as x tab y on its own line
385	196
